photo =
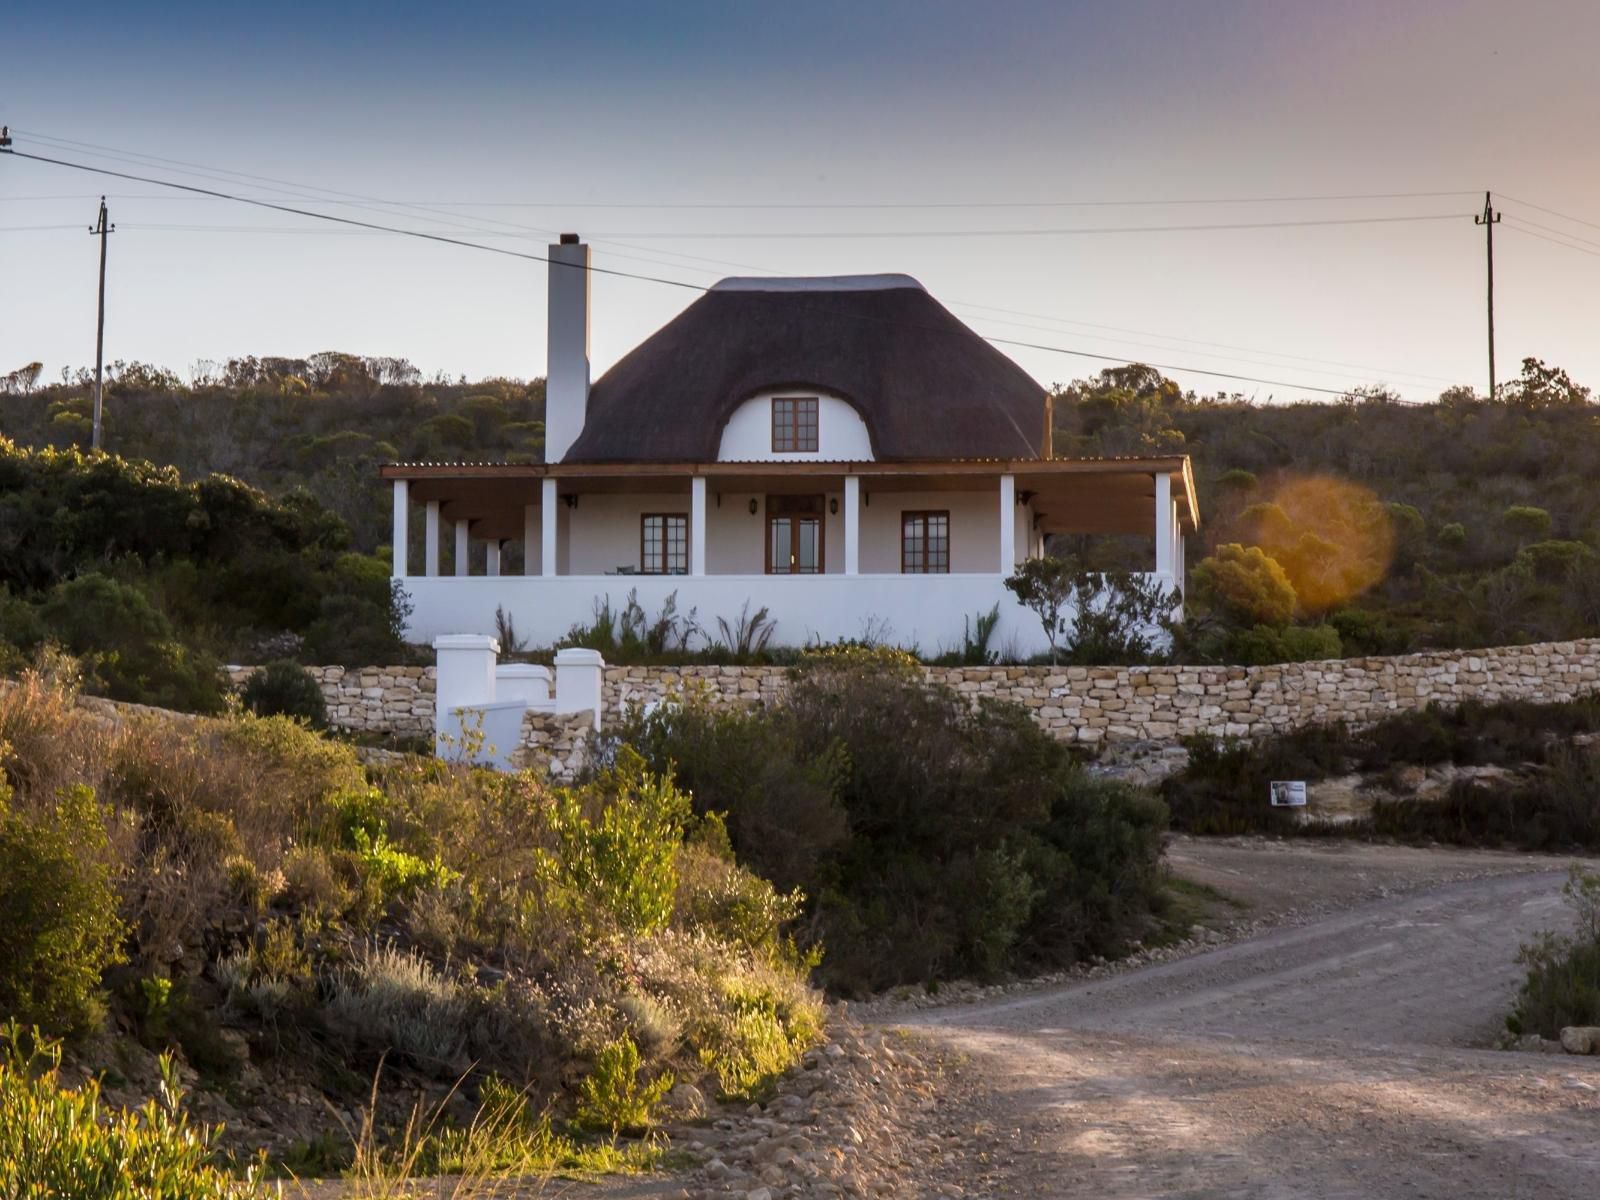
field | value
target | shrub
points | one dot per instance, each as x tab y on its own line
391	999
1526	523
1563	983
128	649
619	866
284	688
613	1097
954	842
59	928
1244	585
60	1141
1095	616
782	811
1264	644
1223	789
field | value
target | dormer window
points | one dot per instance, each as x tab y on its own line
794	424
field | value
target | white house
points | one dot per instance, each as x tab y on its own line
841	451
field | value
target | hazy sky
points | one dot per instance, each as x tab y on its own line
570	110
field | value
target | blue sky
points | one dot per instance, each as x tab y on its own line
467	109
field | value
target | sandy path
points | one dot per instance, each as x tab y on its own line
1329	1059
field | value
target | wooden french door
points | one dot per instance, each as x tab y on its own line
794	535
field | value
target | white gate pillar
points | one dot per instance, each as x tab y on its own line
580	678
464	676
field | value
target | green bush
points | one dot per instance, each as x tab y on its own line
1223	789
284	688
60	1141
59	928
1263	644
612	1097
1563	983
127	648
1527	523
782	811
959	840
1244	585
617	846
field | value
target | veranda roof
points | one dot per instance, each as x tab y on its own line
1071	495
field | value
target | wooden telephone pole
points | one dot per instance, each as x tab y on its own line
101	228
1488	218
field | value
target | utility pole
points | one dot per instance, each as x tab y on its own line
1488	218
101	228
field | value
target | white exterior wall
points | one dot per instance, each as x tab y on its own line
973	528
841	433
926	611
602	532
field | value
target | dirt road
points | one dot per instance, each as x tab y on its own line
1341	1058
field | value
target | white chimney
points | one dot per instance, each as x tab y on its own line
566	389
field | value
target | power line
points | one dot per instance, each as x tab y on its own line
1056	231
1527	224
303	212
1554	241
1552	212
1195	347
446	240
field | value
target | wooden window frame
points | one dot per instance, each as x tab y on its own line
793	509
787	424
644	560
924	515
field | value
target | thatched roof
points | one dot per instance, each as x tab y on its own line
926	386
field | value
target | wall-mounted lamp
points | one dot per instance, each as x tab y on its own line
1025	498
753	506
570	500
833	505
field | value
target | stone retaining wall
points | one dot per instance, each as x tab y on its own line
1084	704
397	700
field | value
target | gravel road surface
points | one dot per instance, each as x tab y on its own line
1343	1058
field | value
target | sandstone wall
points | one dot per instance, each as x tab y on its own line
1085	704
397	700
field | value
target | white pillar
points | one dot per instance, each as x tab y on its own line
1178	578
529	526
430	553
547	515
1008	524
697	525
402	526
852	524
580	675
1177	544
464	676
492	555
1164	524
462	546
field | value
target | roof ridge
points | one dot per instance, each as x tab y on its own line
815	283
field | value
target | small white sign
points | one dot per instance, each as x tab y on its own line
1288	793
